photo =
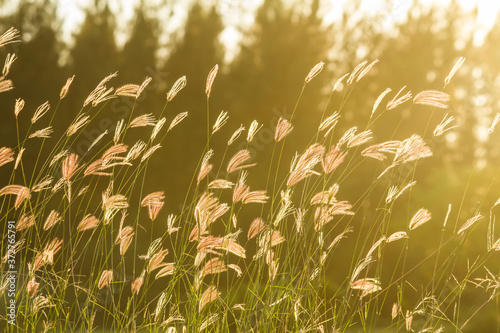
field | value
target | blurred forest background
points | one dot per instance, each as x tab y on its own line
262	78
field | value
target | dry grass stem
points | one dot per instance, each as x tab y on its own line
494	122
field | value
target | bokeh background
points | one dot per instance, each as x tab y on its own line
264	50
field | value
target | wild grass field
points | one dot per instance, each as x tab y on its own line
93	250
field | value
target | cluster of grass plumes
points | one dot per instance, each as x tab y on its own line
81	265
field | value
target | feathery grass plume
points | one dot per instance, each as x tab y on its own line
165	270
22	193
299	215
129	90
434	98
135	151
52	219
156	260
235	220
329	123
441	128
339	237
18	158
6	85
283	128
221	243
412	149
210	320
376	151
210	79
366	70
43	184
236	162
100	93
96	140
25	221
394	193
47	255
43	133
347	136
143	86
303	167
379	100
58	185
6	155
125	237
69	166
154	202
252	130
359	139
396	236
221	121
255	197
83	190
65	88
105	279
396	101
118	131
32	287
150	152
375	246
78	123
136	285
39	303
207	210
367	286
157	128
286	207
395	310
496	245
178	118
494	122
470	222
9	60
454	70
205	166
160	306
326	197
419	218
314	71
213	266
87	223
256	226
10	36
236	135
19	106
117	201
220	184
356	71
114	150
325	214
170	224
143	120
176	87
40	112
273	269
